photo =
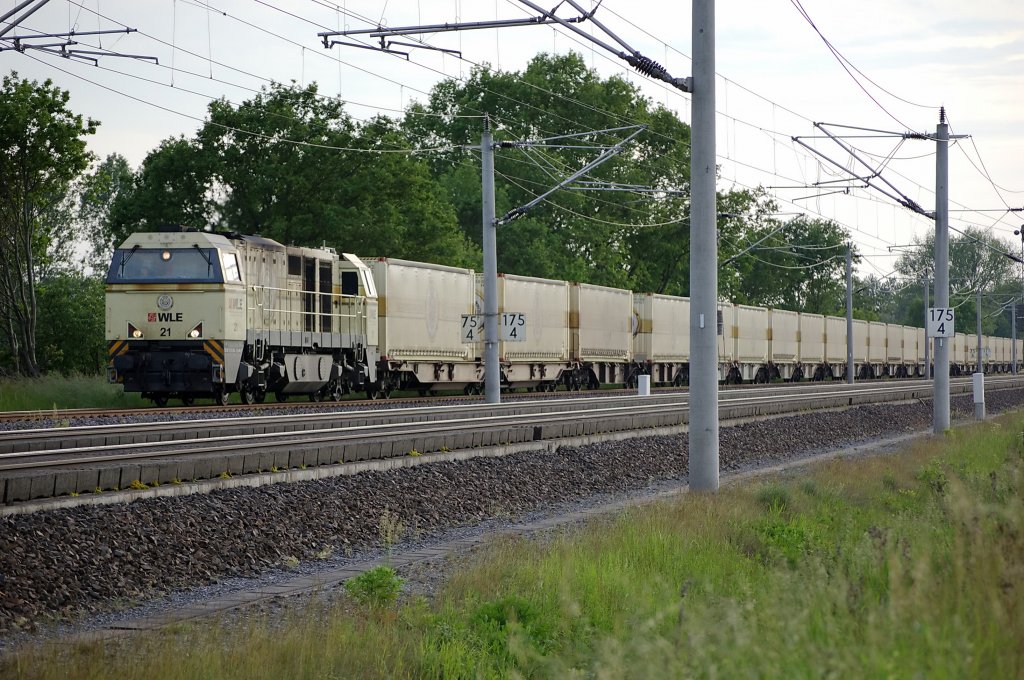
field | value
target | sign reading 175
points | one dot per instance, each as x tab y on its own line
940	322
511	329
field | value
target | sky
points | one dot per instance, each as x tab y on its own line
776	78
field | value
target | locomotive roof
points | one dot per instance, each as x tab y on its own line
163	239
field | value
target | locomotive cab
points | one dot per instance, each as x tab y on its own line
175	315
198	314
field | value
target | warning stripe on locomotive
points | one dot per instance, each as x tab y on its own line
215	348
117	348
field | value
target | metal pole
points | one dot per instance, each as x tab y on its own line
940	391
849	313
492	370
978	365
1013	338
703	429
927	340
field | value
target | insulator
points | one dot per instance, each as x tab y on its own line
647	66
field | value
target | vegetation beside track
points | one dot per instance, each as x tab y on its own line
897	566
59	392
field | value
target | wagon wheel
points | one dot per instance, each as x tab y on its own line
260	396
160	400
187	399
247	392
336	391
221	396
761	376
316	396
281	397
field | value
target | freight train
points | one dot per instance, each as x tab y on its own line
195	314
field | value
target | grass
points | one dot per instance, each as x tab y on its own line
895	566
59	392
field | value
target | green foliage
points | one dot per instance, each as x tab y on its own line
376	587
601	237
70	332
98	191
43	152
302	172
54	391
669	591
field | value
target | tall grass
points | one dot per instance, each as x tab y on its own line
59	392
901	566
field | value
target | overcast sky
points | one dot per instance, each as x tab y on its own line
776	76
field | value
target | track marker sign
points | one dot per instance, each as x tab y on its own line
940	322
511	329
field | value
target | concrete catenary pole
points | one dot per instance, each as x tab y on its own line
1013	338
940	390
703	427
492	371
927	340
979	364
849	313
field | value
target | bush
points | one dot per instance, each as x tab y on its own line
377	587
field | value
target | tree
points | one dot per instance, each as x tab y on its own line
98	191
977	261
798	265
70	327
598	236
291	165
42	152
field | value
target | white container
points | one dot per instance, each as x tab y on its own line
876	342
812	338
420	308
835	342
894	345
600	323
785	336
860	341
751	333
662	328
545	302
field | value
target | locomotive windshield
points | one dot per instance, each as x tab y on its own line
178	265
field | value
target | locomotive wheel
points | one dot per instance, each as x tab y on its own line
221	396
372	392
247	392
160	401
260	396
336	392
316	396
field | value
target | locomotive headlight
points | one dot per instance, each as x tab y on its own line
134	332
165	256
196	332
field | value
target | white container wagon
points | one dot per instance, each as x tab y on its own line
784	341
601	336
541	358
812	346
876	350
420	308
661	345
835	346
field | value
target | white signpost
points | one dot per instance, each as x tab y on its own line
940	322
512	328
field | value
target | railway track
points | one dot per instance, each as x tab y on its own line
69	415
46	463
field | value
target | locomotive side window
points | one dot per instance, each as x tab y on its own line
349	283
182	265
294	265
231	272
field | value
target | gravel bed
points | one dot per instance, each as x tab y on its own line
83	563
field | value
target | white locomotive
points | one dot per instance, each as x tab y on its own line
196	314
